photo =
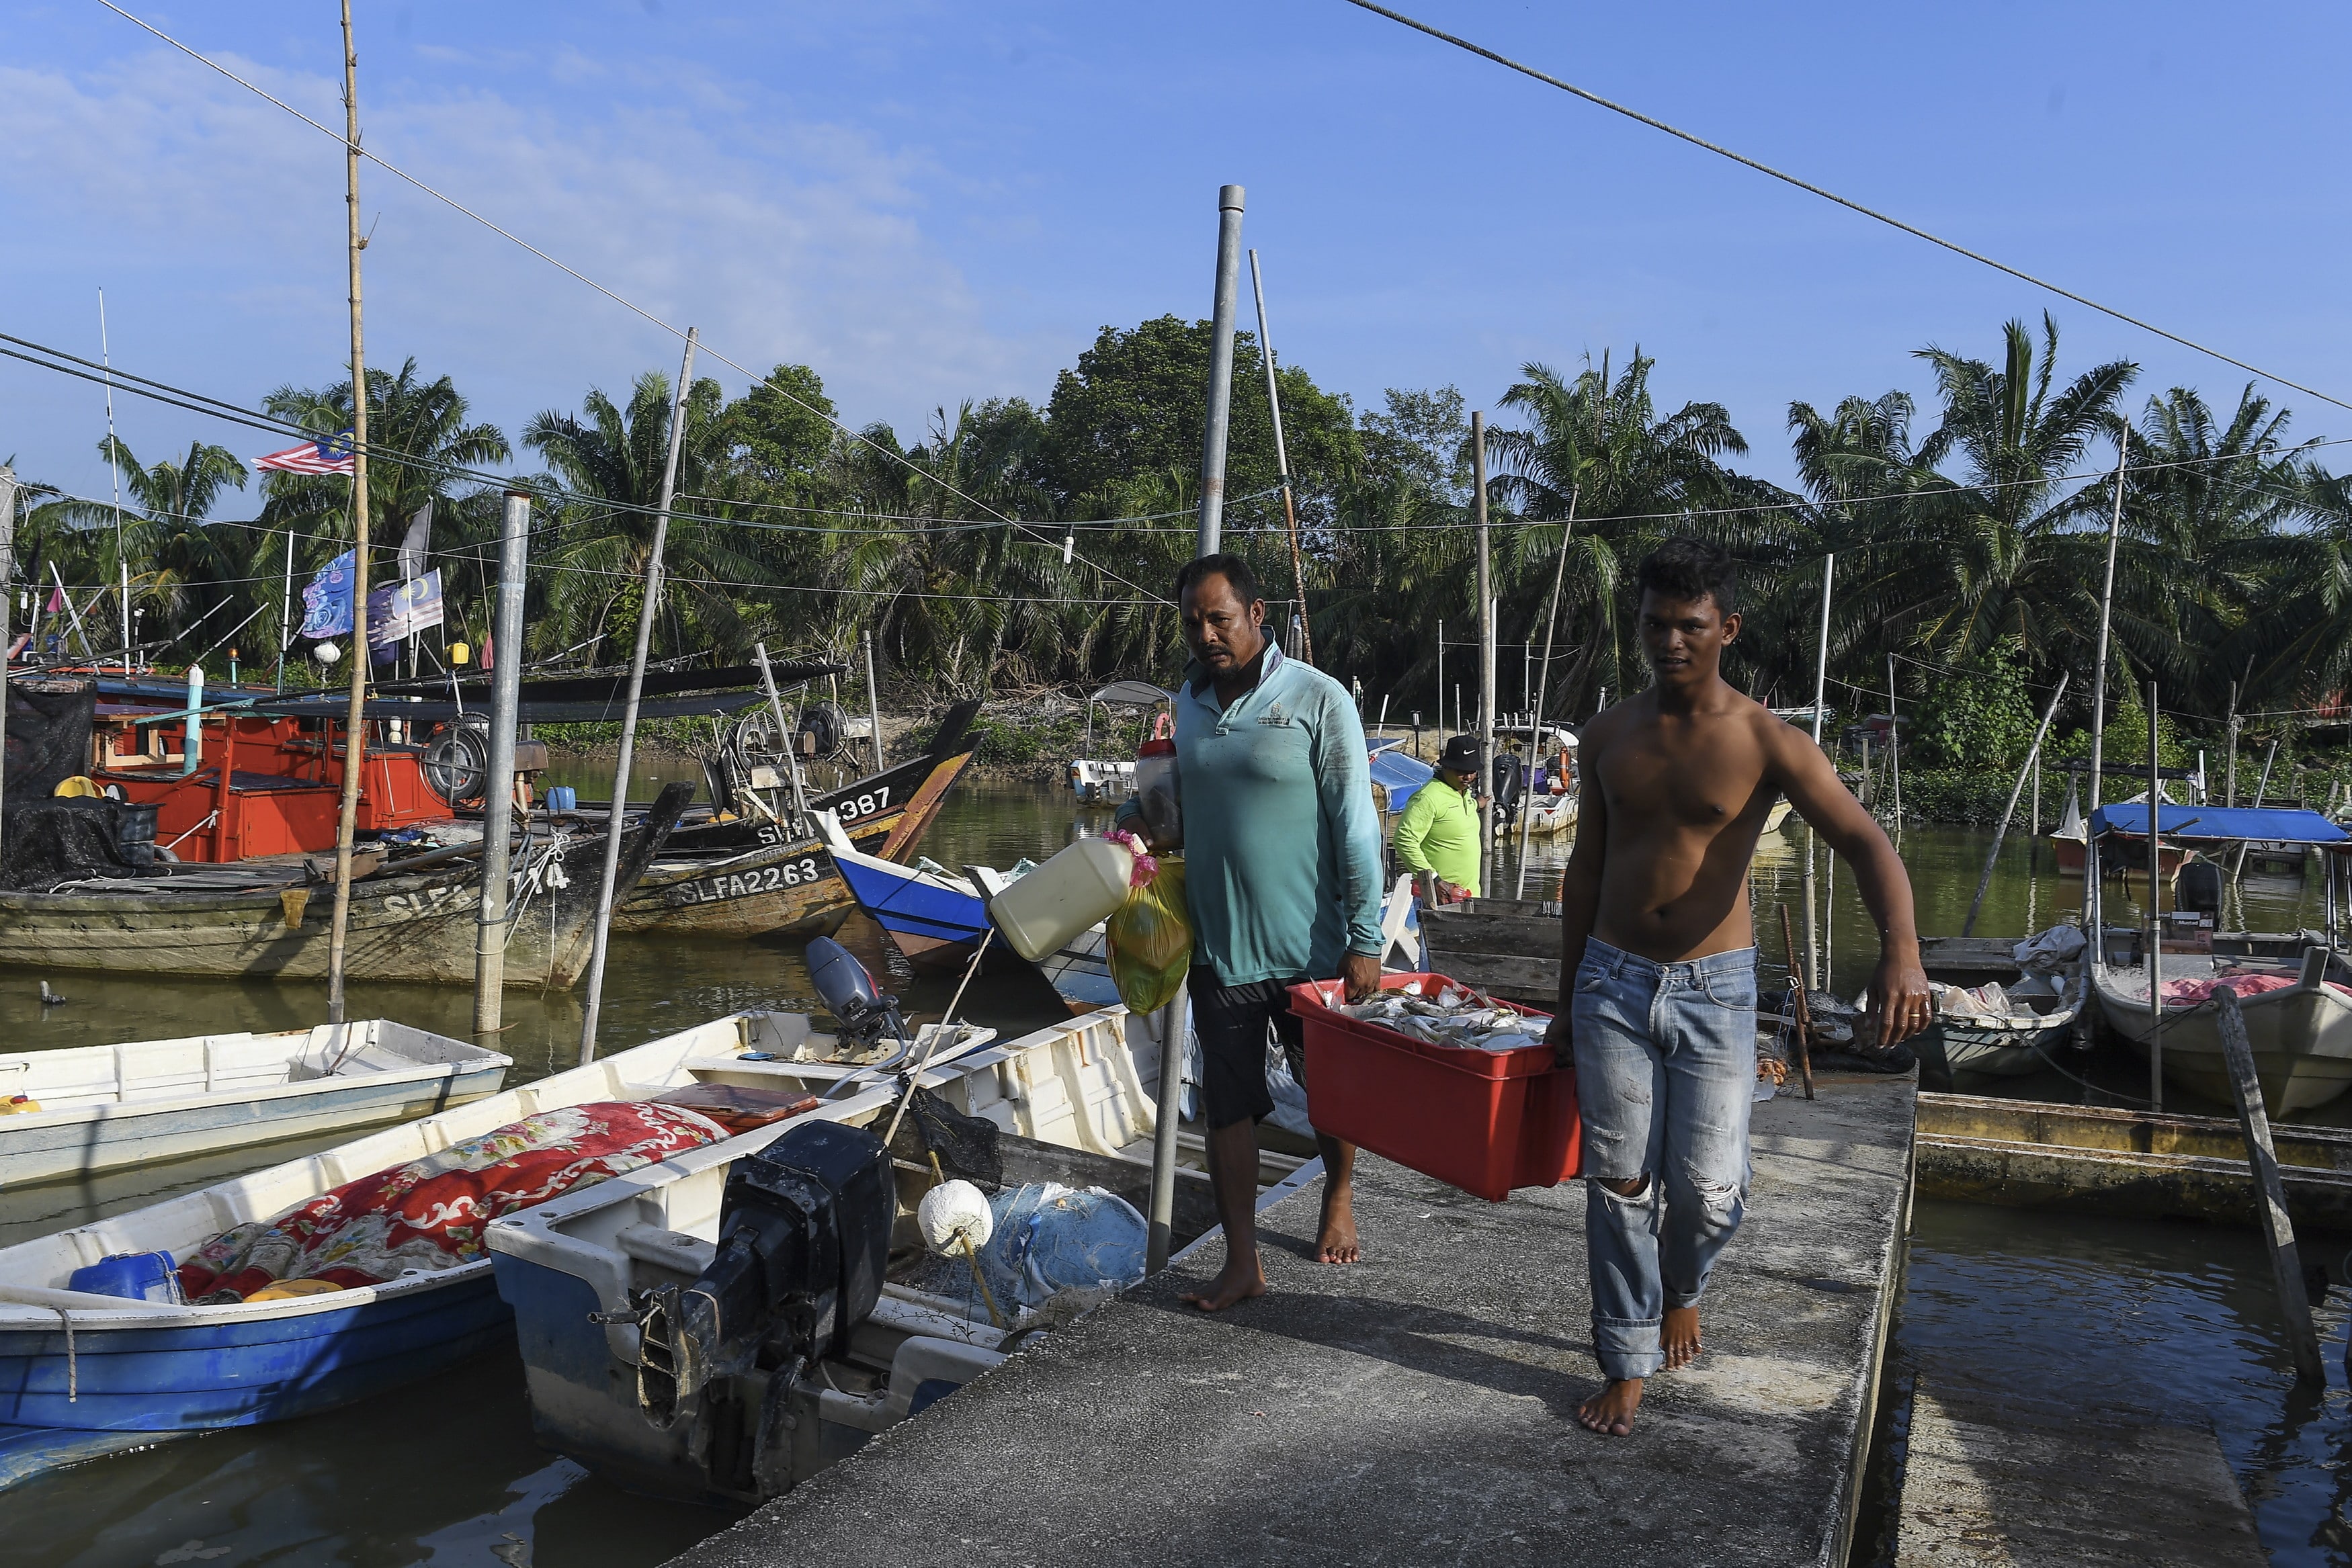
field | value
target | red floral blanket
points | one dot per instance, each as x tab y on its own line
429	1214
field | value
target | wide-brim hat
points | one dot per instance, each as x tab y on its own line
1462	754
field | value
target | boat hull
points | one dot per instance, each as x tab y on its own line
52	1148
933	925
190	1378
417	928
2302	1041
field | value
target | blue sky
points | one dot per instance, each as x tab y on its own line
930	202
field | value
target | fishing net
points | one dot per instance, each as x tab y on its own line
1049	1239
46	841
49	724
966	1144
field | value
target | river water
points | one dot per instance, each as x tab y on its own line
446	1472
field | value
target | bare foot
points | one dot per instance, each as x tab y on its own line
1680	1337
1611	1411
1238	1282
1336	1241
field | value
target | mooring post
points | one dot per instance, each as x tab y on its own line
648	611
2270	1193
1207	540
2034	766
498	790
8	603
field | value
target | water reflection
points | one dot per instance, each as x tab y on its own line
2175	1319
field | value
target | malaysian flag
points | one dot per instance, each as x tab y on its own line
328	454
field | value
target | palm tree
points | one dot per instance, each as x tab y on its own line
2004	536
183	563
611	461
1596	450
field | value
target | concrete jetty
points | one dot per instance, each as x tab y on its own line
1418	1407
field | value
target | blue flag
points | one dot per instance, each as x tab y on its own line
326	601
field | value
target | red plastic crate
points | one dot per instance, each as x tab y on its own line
1483	1121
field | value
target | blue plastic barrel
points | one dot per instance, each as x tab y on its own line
141	1276
563	798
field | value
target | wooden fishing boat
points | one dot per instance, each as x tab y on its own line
272	918
2042	1011
754	877
1069	1103
83	1375
2298	1017
105	1107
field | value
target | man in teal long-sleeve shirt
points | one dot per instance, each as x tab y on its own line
1282	875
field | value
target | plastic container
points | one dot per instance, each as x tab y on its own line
1483	1121
563	798
134	835
1071	893
141	1276
1157	793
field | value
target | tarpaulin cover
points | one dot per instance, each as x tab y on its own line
48	841
2280	823
431	1214
49	733
1400	773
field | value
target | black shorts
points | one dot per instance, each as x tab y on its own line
1231	1021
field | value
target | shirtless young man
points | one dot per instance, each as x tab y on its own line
1658	963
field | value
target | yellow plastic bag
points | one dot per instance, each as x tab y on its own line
1151	940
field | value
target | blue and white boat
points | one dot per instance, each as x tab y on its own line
83	1375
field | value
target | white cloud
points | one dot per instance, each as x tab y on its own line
797	241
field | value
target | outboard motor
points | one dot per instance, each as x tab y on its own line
2197	885
850	994
803	1240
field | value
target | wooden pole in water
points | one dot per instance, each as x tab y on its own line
1894	744
354	723
648	609
2229	796
1485	655
2155	916
1543	688
2032	766
2270	1192
1821	695
1282	466
1803	1026
497	789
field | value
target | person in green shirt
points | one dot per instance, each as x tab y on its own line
1437	837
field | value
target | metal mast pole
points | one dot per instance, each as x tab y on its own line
7	616
498	791
873	703
286	612
114	468
2094	899
1543	677
1174	1019
1220	375
2155	914
646	611
354	726
1281	463
1820	696
1486	654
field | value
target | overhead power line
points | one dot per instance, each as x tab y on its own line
1872	213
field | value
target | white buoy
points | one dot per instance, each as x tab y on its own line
952	1214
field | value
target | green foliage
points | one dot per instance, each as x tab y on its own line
1972	796
1959	526
2126	740
1979	715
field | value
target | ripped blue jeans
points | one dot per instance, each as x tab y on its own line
1665	1073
